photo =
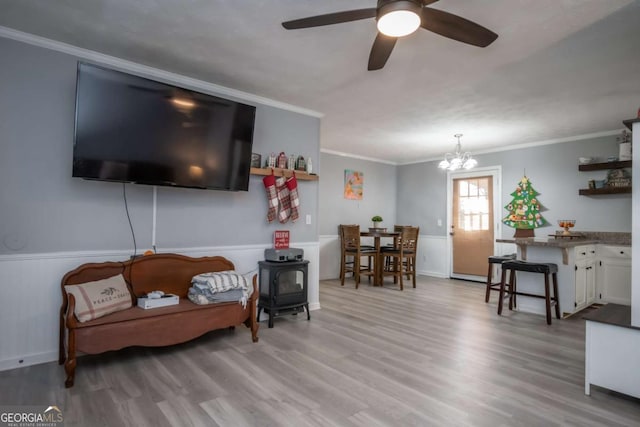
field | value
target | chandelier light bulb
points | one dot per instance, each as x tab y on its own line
398	23
470	163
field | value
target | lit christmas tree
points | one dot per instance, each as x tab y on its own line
524	210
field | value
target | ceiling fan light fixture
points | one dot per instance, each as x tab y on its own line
399	18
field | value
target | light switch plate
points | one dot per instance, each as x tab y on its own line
308	219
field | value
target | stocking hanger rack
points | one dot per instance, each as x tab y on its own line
300	175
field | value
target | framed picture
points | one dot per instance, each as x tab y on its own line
256	160
353	184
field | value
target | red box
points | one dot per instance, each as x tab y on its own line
281	239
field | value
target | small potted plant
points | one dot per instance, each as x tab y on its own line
377	219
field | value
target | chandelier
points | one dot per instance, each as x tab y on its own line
459	159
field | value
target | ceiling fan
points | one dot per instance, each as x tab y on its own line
398	18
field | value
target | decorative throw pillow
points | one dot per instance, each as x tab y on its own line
99	298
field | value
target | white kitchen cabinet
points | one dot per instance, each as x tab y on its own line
614	274
585	277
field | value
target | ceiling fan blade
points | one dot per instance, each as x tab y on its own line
330	18
456	28
380	51
428	2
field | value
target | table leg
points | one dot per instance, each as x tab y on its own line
379	262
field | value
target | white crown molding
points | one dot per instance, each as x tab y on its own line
528	145
354	156
491	150
150	72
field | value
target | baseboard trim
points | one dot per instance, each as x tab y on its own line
432	274
28	360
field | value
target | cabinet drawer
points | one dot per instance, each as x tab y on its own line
584	252
619	252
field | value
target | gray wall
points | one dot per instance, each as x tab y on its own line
553	170
43	209
379	194
422	197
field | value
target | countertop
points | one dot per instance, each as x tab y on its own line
550	242
589	238
612	314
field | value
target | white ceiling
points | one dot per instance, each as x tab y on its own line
559	69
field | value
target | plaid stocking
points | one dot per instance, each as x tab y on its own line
272	199
292	185
283	198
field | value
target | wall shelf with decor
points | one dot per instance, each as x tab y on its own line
604	166
629	123
300	175
606	190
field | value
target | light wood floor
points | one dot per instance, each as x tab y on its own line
435	355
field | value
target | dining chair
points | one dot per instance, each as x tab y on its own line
393	258
401	259
351	253
389	246
410	245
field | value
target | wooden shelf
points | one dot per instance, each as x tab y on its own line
629	123
300	175
605	190
604	166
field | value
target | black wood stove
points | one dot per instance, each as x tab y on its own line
283	288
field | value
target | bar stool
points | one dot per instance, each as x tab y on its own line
490	285
531	267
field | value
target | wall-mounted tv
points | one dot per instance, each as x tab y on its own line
132	129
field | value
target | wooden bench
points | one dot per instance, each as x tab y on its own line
155	327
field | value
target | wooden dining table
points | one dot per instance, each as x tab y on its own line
378	263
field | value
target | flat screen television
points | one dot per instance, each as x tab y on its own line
132	129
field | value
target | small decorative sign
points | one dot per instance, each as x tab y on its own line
281	239
282	160
256	160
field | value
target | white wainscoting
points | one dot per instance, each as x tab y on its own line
30	295
433	256
432	260
329	257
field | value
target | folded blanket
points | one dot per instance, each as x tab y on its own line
205	296
215	287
